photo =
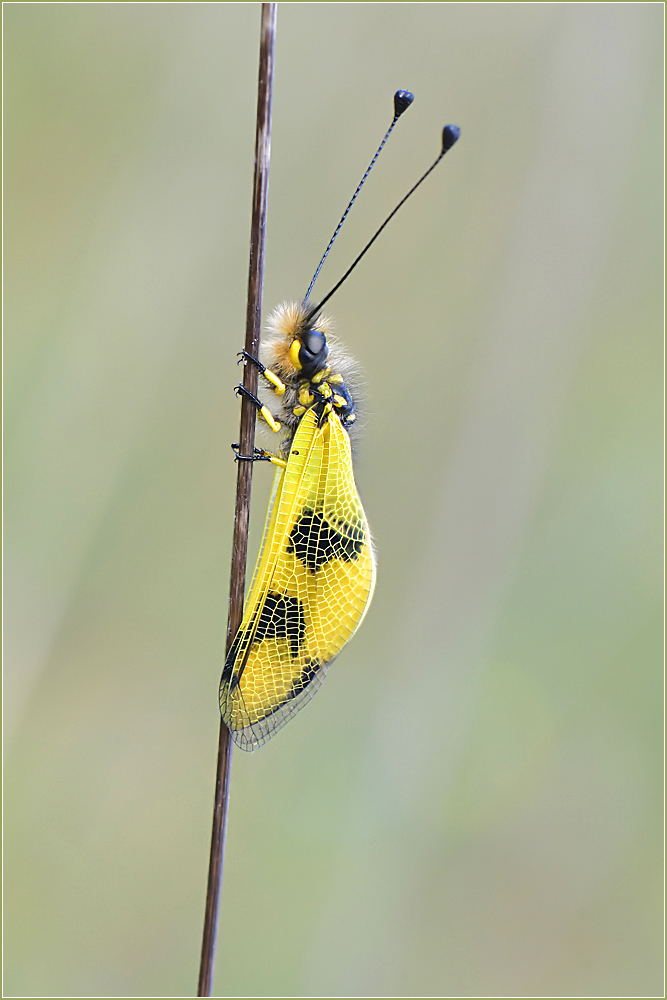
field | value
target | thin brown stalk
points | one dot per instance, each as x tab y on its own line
244	478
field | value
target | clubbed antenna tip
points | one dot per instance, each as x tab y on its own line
450	134
402	101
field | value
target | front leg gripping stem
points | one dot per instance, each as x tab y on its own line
271	377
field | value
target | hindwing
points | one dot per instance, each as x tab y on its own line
312	585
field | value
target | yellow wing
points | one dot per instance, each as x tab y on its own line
311	588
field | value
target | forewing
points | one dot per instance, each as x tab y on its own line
313	582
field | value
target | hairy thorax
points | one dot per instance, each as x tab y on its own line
324	385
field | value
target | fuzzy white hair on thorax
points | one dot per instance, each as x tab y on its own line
287	323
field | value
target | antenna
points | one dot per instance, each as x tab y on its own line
450	134
402	101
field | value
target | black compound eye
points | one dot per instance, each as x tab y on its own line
313	342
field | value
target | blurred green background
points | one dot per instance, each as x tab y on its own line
472	804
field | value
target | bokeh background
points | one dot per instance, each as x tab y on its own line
472	804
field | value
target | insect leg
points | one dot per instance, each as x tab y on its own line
271	377
264	411
260	455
